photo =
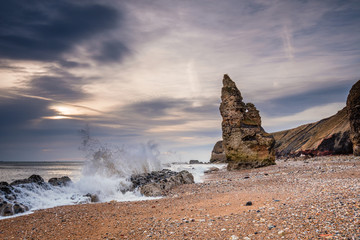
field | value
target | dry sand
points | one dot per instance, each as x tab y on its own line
317	198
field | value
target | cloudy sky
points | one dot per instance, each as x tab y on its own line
139	71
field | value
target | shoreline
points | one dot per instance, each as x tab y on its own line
317	198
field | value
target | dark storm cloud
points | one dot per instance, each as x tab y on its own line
314	97
44	30
111	51
64	87
19	112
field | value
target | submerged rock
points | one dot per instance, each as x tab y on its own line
157	183
246	144
218	153
353	107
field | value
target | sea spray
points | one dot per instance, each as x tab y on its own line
105	173
109	160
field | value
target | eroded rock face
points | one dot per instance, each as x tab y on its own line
353	107
245	142
218	153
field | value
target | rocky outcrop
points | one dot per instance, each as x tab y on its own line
157	183
338	134
353	108
32	179
63	181
218	153
328	136
10	208
9	193
246	144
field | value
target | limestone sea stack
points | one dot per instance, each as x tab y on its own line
246	144
353	108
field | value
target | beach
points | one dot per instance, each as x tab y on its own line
317	198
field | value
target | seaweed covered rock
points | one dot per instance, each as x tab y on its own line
353	107
246	144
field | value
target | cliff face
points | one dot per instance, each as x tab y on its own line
325	137
353	109
338	134
245	143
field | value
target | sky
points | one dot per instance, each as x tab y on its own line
139	71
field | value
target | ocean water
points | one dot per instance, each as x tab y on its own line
105	172
10	171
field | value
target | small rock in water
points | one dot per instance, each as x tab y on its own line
249	203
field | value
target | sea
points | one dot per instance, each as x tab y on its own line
105	172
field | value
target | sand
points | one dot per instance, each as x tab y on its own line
317	198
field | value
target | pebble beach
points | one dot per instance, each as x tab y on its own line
316	198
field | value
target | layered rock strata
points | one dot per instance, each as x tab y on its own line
329	136
353	108
338	134
246	144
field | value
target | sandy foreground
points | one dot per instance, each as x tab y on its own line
317	198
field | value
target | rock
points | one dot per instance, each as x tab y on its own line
328	136
195	162
19	208
63	181
353	108
32	179
212	169
234	237
9	209
5	188
92	197
218	154
245	142
271	226
158	183
151	189
249	203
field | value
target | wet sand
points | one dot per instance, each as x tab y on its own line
317	198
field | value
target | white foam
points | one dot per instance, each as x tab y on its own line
105	173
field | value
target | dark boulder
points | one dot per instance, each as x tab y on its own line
195	162
60	182
158	183
37	179
93	197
